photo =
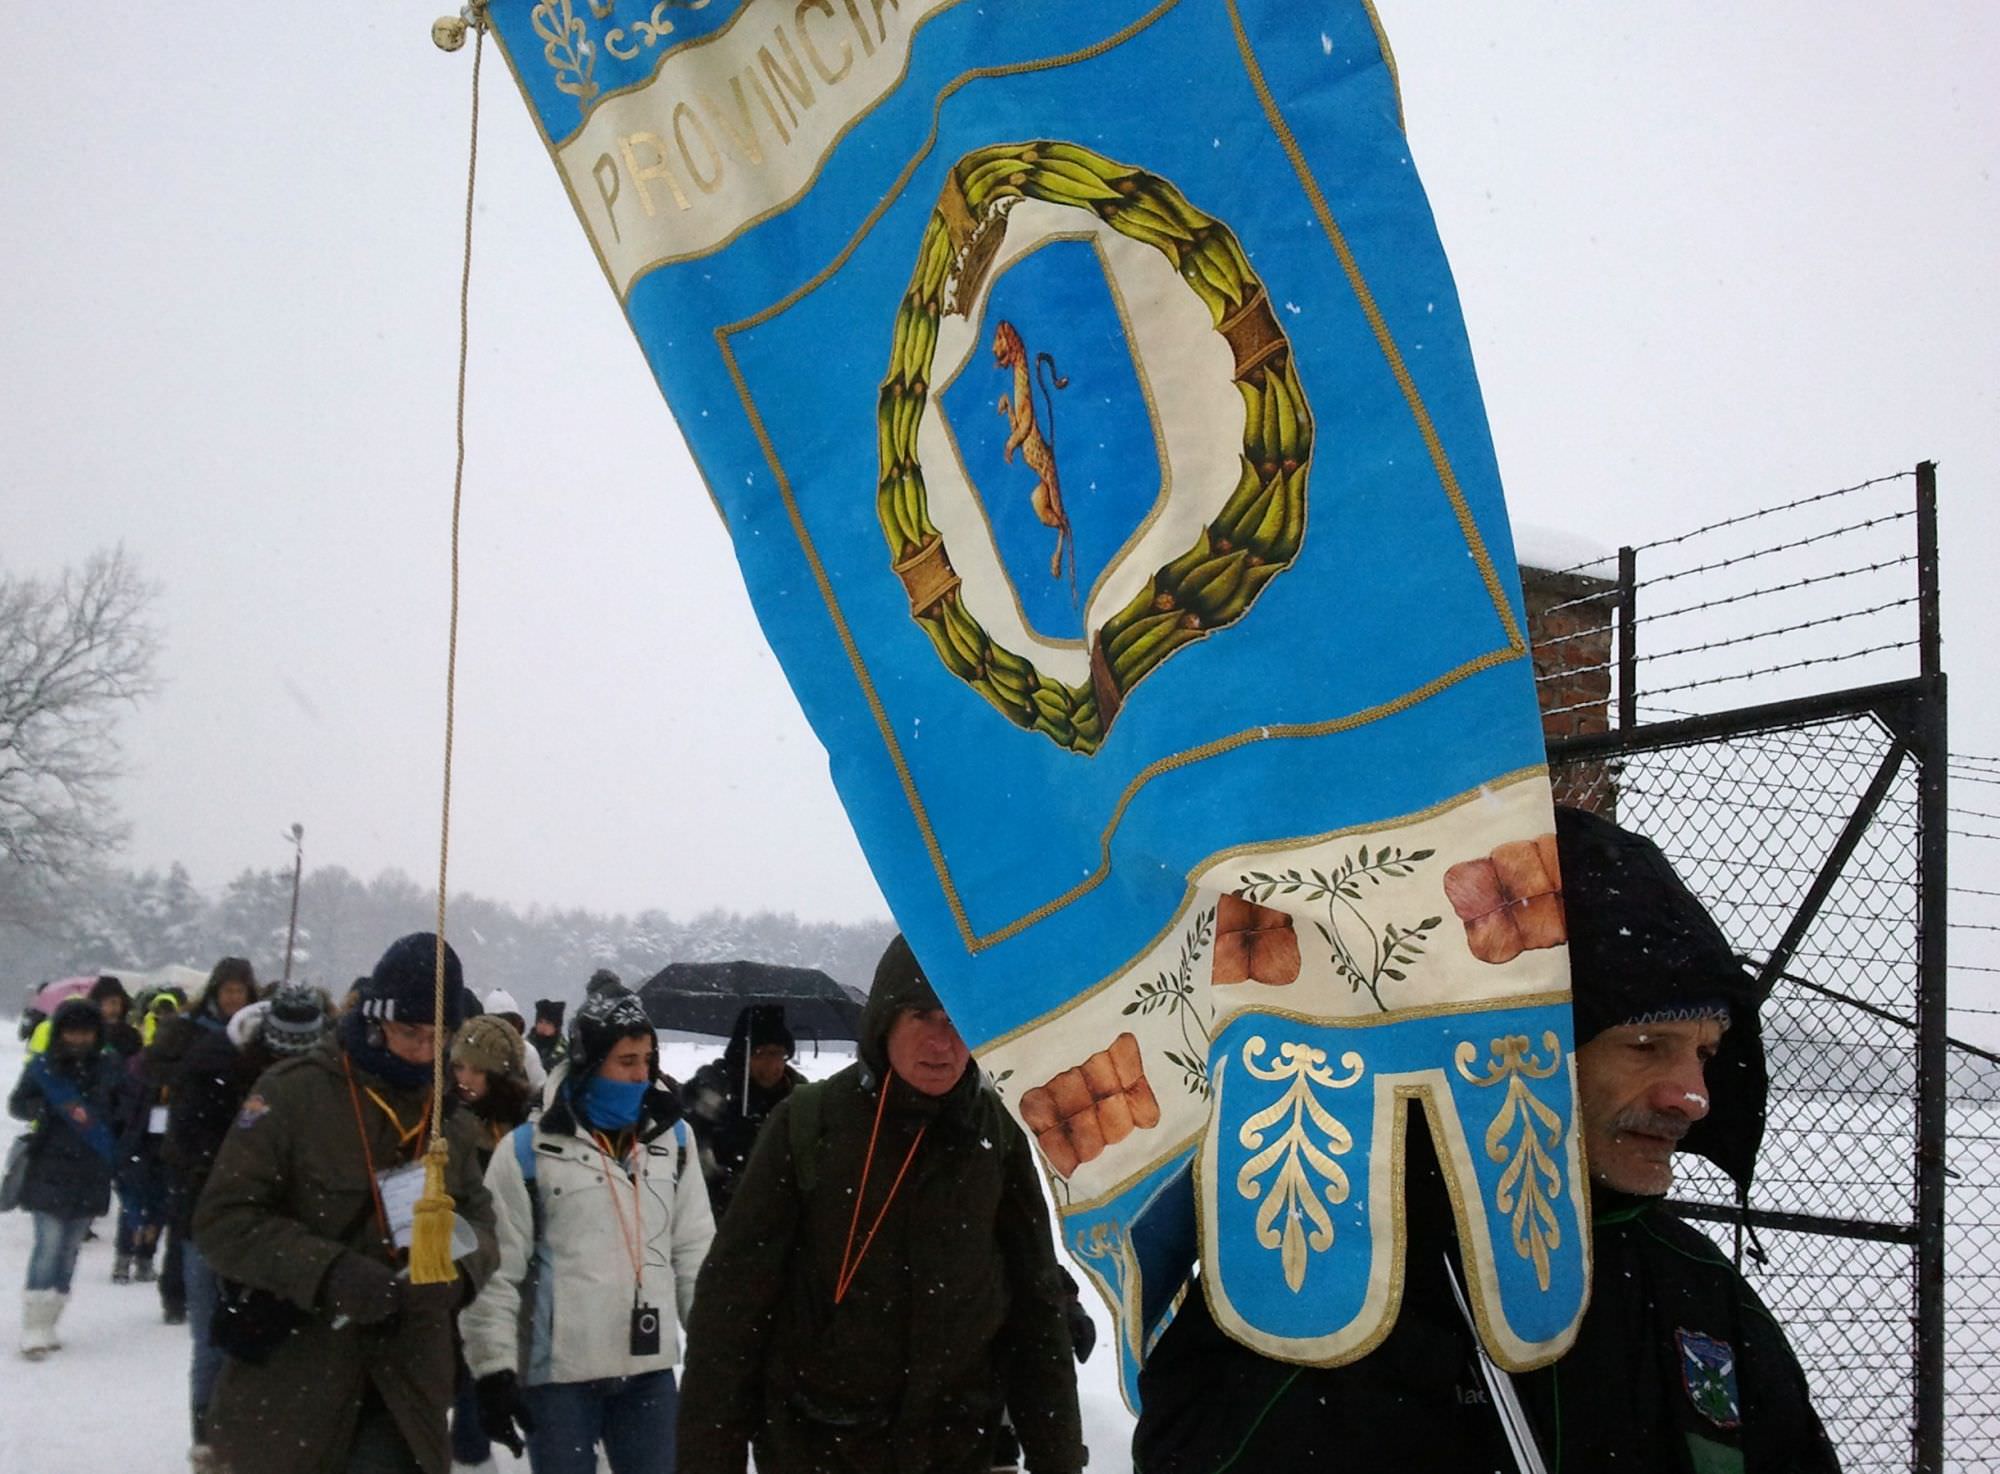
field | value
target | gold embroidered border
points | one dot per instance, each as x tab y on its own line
1509	1352
1388	60
1380	326
555	147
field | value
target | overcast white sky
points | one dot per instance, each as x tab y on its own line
1712	257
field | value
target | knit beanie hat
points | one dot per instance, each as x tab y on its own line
403	986
501	1001
604	980
600	1023
757	1025
295	1019
767	1026
244	1024
489	1043
550	1009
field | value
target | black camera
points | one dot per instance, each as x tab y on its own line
645	1331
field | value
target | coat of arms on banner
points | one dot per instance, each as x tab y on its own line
1180	506
1086	394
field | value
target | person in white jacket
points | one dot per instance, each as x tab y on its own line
603	1222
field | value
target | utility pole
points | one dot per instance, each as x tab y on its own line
298	839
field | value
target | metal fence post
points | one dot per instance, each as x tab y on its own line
1932	1061
1628	649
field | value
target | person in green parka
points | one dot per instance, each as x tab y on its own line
884	1286
301	1209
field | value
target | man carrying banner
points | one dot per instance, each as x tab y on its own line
1678	1366
884	1288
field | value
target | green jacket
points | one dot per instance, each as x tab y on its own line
954	1314
289	1194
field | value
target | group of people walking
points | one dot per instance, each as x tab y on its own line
274	1144
854	1275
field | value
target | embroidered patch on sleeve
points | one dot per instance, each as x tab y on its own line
255	1109
1708	1372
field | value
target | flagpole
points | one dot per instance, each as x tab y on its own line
1500	1387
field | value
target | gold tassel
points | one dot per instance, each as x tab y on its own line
430	1232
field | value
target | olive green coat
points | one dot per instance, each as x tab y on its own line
954	1314
288	1195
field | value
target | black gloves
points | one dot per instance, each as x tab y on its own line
360	1290
502	1412
1082	1330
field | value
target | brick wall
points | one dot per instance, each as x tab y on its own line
1570	632
1572	648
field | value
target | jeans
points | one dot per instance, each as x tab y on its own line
632	1416
141	1205
202	1292
53	1259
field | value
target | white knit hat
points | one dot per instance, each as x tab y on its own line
501	1001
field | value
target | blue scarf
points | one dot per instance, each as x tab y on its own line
611	1105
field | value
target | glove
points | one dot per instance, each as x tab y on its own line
502	1412
360	1290
1082	1330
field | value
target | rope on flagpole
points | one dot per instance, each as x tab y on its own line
430	1233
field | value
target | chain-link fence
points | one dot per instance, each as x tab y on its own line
1812	822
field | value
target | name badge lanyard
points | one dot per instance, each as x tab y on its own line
850	1266
635	1236
406	1139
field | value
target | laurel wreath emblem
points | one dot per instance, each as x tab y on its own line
1254	537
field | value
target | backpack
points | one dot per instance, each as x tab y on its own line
803	1131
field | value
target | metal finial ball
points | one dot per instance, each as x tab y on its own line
448	32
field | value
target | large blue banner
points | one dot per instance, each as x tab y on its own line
1087	396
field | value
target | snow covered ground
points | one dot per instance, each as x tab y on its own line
115	1397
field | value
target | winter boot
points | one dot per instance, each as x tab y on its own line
38	1321
142	1270
121	1270
57	1300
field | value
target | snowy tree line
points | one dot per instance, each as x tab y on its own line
112	919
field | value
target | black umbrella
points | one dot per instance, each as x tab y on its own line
706	997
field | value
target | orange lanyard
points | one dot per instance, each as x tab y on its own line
403	1138
849	1267
635	1236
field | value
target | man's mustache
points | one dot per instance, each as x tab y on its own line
1668	1124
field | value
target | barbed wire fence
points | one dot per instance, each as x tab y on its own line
1763	697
